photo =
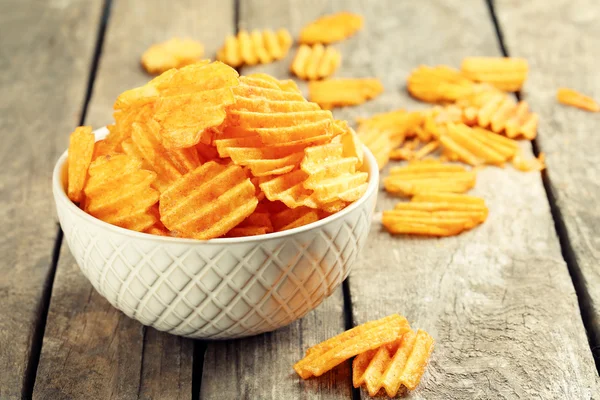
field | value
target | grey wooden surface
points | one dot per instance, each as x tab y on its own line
566	56
101	352
45	54
499	300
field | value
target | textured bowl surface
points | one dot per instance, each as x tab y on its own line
220	288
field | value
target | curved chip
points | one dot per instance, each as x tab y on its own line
331	28
317	62
255	47
173	53
81	149
120	192
339	92
208	202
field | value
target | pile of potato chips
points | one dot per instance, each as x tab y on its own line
389	355
200	152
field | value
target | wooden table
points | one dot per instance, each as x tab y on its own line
509	303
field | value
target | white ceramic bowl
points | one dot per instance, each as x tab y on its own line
220	288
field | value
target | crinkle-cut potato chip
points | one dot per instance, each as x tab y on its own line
490	108
476	146
527	165
255	47
330	353
378	141
436	214
120	192
208	202
392	366
429	176
184	102
331	28
438	84
352	146
399	124
339	92
81	149
257	223
573	98
316	62
169	165
505	73
278	114
174	53
293	218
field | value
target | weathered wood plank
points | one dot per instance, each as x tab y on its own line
565	56
90	349
499	299
47	49
261	367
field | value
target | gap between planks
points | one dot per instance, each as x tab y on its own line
40	329
583	296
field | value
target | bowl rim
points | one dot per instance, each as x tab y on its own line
61	196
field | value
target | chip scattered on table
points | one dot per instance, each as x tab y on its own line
174	53
573	98
342	92
331	28
256	47
316	62
505	73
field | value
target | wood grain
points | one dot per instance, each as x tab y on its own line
498	300
45	57
565	56
92	350
261	367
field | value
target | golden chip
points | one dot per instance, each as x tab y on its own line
505	73
81	149
436	214
174	53
293	218
257	223
331	28
438	84
317	62
255	47
325	356
208	202
344	91
533	164
573	98
400	363
120	192
429	176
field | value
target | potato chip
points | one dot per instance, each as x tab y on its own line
490	108
81	149
429	176
169	165
120	192
573	98
326	355
257	223
378	142
436	214
344	91
474	144
352	146
208	202
173	53
505	73
255	47
533	164
399	124
316	62
395	365
293	218
331	28
438	84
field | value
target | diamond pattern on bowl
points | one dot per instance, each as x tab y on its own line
214	289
